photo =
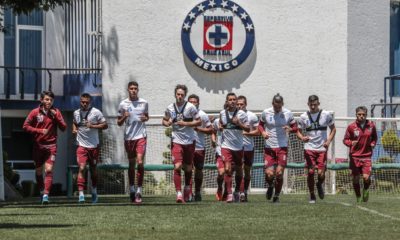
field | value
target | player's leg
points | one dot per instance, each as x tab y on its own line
38	160
321	164
93	160
310	158
282	159
238	160
141	151
248	157
177	156
355	172
220	177
198	161
366	172
81	158
188	155
130	148
227	158
269	169
51	152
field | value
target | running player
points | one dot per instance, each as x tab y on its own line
86	124
199	153
313	126
248	146
183	117
42	123
232	122
275	124
134	112
361	138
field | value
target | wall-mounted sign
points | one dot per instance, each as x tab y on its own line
217	35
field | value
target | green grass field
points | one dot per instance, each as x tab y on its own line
336	217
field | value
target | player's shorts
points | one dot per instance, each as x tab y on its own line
274	157
234	157
219	161
87	155
315	159
198	159
135	147
183	153
44	154
248	157
360	166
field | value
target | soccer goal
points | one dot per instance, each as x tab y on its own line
113	176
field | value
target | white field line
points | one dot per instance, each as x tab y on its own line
369	210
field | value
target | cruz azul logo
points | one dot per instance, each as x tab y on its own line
217	35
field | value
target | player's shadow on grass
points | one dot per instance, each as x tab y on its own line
22	214
18	225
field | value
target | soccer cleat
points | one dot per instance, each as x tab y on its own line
132	196
313	198
321	192
197	197
95	198
236	196
179	198
365	195
81	199
243	197
218	195
186	194
275	199
45	199
270	192
138	198
229	198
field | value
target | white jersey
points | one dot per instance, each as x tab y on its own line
273	123
134	128
232	135
215	127
248	141
315	126
182	134
200	137
88	137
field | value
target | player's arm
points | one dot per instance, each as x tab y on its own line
123	115
261	129
254	132
195	123
299	134
59	119
28	125
213	139
145	116
74	128
374	136
167	120
331	135
206	130
347	140
101	125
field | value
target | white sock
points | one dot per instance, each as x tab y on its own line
81	193
45	195
139	190
94	190
179	193
132	188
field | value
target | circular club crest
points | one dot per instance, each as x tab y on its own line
217	35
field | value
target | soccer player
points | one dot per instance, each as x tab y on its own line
233	122
42	123
199	153
86	124
361	138
275	124
134	112
248	146
183	117
313	126
216	143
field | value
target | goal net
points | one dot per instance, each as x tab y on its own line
158	180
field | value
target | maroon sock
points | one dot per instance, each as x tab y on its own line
366	184
356	187
220	181
81	183
310	182
177	180
131	175
140	175
228	183
188	178
48	181
40	182
238	183
278	185
246	184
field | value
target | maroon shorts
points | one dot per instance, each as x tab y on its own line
219	161
135	147
248	157
44	154
198	160
360	166
183	153
87	155
234	157
315	159
275	157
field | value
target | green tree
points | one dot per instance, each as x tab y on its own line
390	142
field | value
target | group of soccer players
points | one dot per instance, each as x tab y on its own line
232	134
